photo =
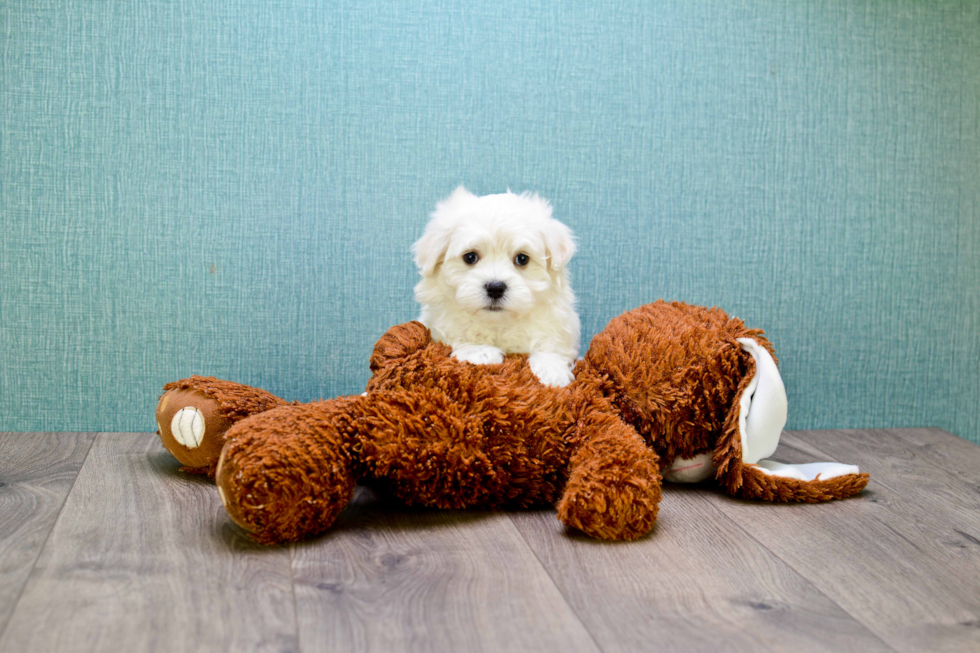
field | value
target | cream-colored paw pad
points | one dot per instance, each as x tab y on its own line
187	427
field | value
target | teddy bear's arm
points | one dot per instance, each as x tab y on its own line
398	342
613	488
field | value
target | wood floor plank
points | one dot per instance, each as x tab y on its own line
958	457
143	558
903	558
936	476
36	472
697	583
388	578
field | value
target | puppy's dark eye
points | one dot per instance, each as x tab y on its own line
470	258
521	260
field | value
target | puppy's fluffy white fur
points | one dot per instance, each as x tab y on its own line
470	247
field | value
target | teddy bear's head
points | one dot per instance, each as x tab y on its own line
672	371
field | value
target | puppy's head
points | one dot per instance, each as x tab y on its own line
491	255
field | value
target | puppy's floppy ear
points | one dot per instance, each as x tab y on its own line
431	247
559	244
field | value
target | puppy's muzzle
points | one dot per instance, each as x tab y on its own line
495	289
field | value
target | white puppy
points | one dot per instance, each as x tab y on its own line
494	282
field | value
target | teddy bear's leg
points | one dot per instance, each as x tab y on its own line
613	488
194	414
752	433
288	472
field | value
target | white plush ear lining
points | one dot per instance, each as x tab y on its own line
431	247
807	471
763	406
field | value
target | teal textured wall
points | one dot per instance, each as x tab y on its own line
231	188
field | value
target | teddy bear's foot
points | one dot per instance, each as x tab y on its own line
194	414
192	428
287	473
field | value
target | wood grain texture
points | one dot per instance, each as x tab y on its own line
36	473
145	559
903	557
389	578
697	583
142	558
959	458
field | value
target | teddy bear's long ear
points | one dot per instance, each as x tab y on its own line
751	433
430	249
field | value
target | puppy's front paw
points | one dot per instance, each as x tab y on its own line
551	369
479	354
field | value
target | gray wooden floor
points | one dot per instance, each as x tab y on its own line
105	546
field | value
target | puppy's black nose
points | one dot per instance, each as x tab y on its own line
496	289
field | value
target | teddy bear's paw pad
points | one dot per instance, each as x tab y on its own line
187	427
192	428
808	471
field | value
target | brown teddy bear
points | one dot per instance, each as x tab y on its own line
667	388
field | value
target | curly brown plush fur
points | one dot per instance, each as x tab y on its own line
444	434
660	382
